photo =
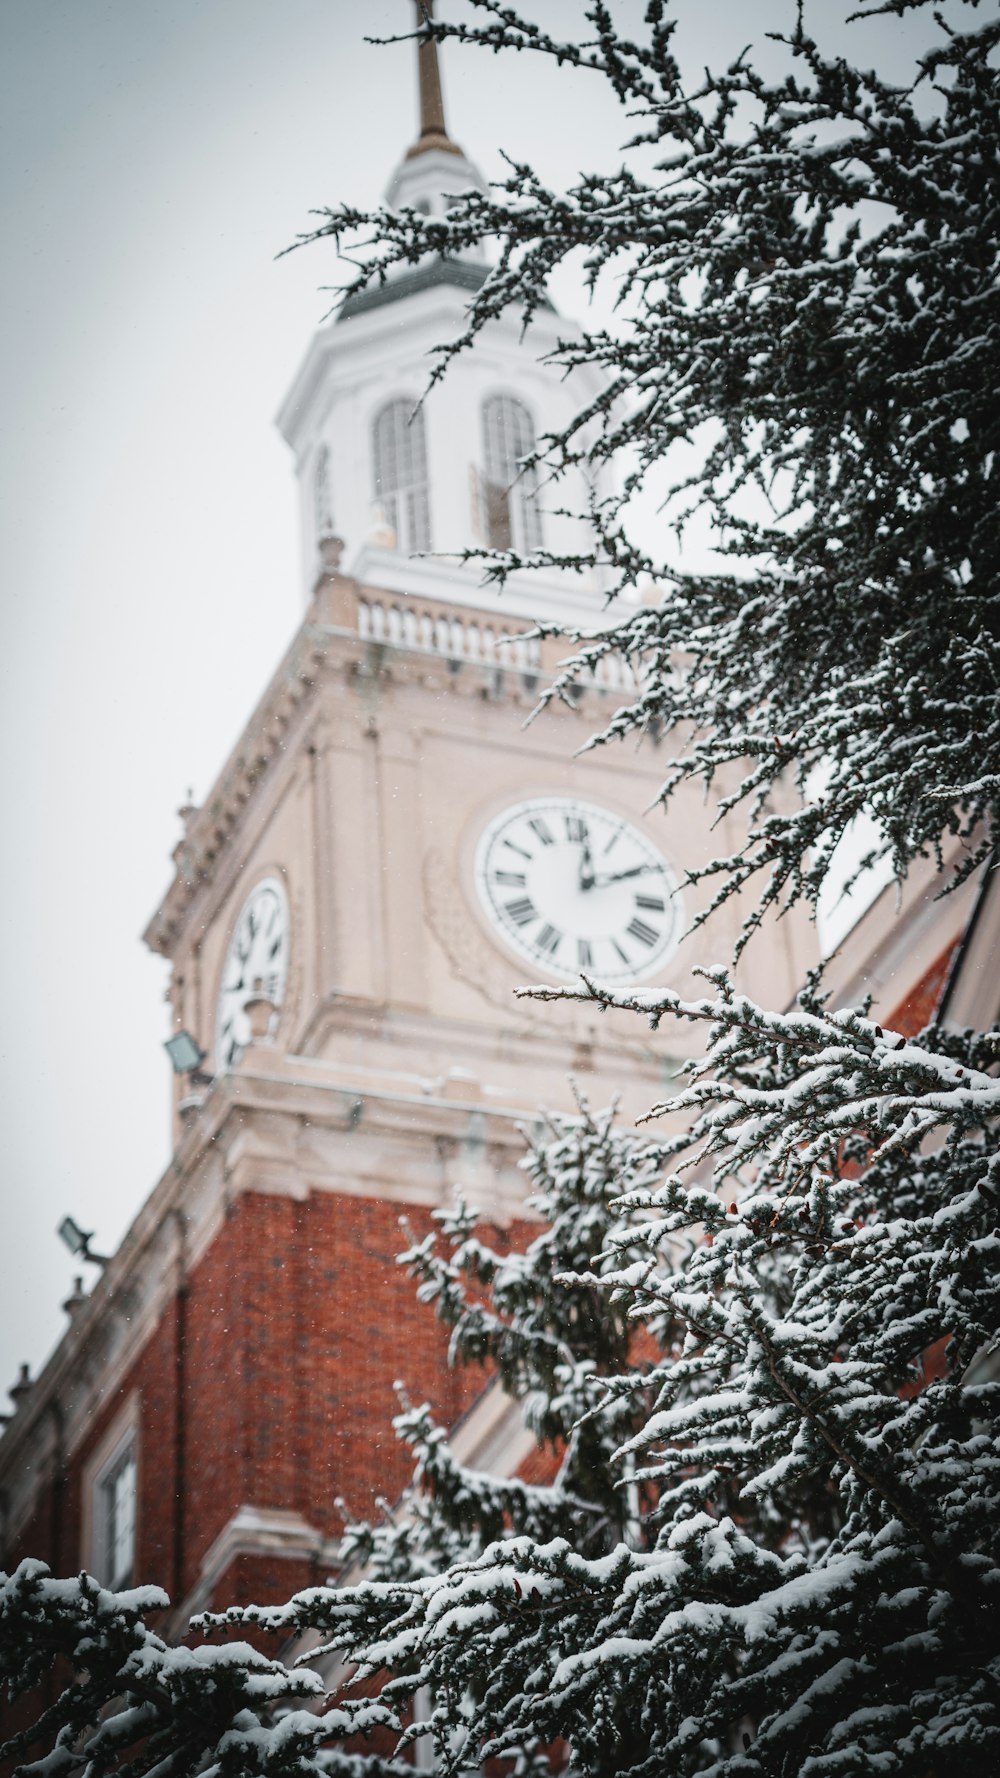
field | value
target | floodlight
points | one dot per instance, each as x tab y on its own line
73	1235
186	1055
78	1241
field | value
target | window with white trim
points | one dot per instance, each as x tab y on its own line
115	1490
399	464
510	493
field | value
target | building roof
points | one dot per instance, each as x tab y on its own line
463	274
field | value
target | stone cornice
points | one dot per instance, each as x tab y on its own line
321	646
209	828
252	1531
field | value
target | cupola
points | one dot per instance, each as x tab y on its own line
409	480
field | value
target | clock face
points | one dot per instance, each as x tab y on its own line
256	963
577	889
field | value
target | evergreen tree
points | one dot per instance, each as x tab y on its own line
816	1584
808	320
761	1349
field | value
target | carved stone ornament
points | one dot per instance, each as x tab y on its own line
471	957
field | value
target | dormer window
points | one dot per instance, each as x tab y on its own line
399	460
510	493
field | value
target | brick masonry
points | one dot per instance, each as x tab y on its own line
269	1384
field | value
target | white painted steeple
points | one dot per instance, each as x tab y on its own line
409	486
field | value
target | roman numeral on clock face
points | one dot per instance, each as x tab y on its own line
576	827
638	928
584	956
652	902
548	940
521	911
511	879
539	828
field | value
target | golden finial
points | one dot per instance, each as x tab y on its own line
433	131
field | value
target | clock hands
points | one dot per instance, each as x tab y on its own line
587	878
590	880
619	876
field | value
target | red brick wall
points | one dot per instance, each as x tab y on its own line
269	1385
920	1005
263	1580
155	1376
299	1322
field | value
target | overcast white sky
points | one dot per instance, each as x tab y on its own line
153	159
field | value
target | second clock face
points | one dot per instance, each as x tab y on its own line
575	888
256	963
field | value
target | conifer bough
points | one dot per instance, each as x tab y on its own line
808	317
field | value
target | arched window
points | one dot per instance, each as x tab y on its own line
512	518
322	508
399	456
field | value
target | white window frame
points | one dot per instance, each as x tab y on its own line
400	479
118	1449
511	517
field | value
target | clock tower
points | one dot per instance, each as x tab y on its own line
388	851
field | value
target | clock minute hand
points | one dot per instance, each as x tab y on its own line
619	876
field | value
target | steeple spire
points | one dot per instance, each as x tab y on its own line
434	171
433	130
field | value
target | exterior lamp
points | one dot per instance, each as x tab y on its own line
78	1241
186	1057
185	1054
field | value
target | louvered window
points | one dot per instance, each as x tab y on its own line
399	455
511	518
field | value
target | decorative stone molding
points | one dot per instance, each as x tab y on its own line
210	828
472	958
254	1531
378	636
124	1427
446	632
492	1435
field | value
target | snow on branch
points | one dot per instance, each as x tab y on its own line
807	317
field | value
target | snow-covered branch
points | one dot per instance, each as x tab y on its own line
807	320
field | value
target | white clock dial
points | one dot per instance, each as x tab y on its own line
575	888
256	964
